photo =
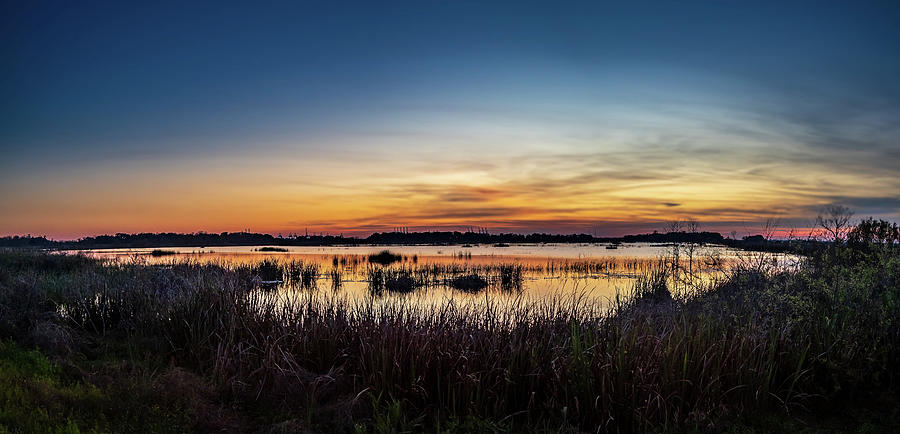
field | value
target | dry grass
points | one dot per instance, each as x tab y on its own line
656	361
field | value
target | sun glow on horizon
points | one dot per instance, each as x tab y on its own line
518	119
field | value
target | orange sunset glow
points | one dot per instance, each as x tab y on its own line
544	191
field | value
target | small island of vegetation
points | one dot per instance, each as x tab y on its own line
161	252
272	249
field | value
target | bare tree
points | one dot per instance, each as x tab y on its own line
761	261
835	221
693	226
674	255
672	226
771	228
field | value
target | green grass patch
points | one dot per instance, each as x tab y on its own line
36	397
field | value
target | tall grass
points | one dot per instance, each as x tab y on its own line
443	269
656	360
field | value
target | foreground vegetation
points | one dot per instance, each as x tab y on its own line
92	346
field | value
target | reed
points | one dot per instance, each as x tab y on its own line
660	359
336	278
511	276
269	270
398	280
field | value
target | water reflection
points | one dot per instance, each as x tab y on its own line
439	273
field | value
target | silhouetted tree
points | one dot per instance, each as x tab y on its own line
834	220
874	232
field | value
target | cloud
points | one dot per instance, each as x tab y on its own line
861	205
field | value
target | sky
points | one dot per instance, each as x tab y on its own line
566	117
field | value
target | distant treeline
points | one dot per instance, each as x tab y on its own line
203	239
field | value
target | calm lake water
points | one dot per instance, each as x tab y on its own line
531	271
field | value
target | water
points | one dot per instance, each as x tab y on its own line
592	271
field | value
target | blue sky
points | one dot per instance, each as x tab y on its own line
362	115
